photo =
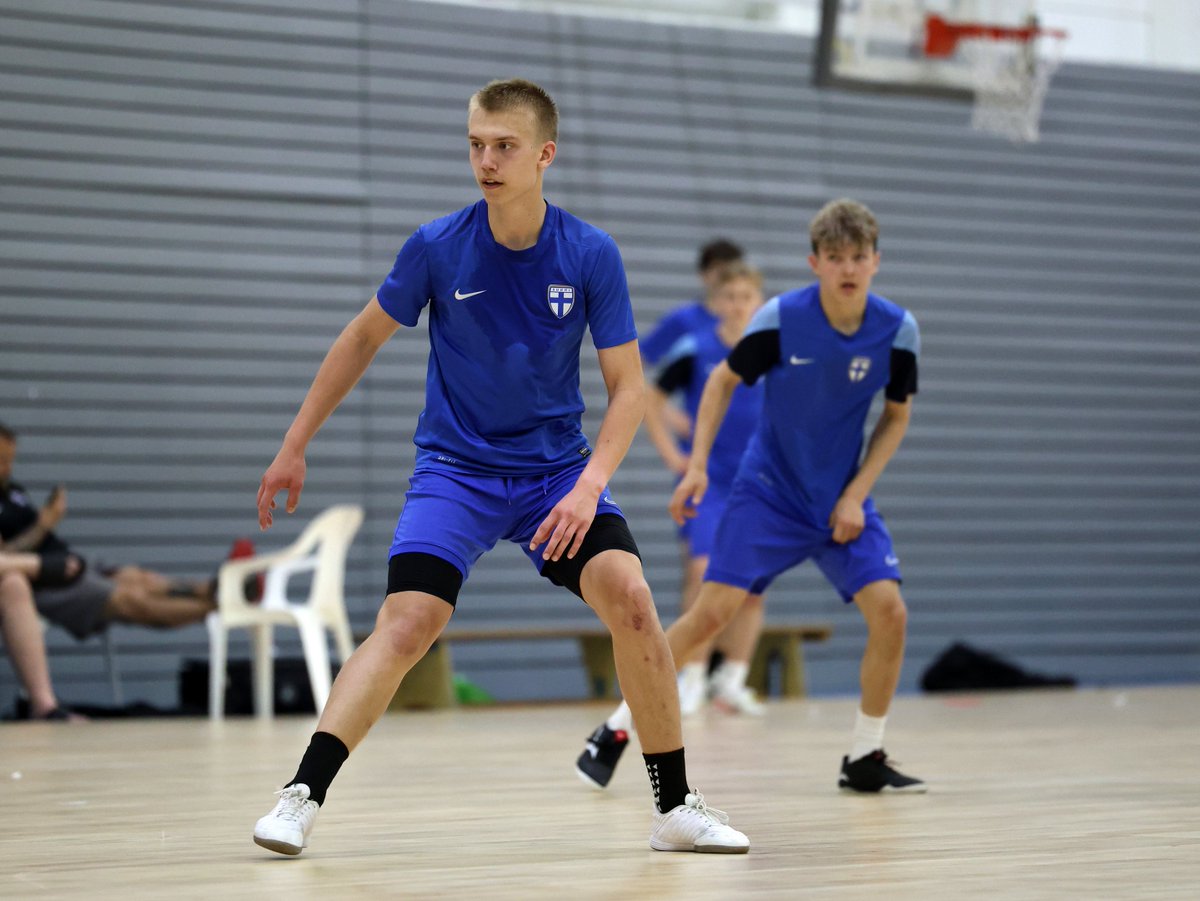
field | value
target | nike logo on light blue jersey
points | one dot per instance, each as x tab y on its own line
458	295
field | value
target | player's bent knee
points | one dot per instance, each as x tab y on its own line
887	612
609	532
718	604
407	628
129	604
710	621
629	605
618	593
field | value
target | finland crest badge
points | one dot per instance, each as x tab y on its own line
859	367
561	299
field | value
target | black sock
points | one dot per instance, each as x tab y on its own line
321	761
668	779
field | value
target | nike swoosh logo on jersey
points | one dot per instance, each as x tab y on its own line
891	560
800	361
458	295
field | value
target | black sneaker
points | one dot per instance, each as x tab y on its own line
874	773
596	764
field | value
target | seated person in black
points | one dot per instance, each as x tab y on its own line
68	592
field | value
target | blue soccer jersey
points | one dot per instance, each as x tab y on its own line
819	388
505	329
691	317
686	368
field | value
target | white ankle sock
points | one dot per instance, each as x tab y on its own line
732	675
868	735
621	720
692	674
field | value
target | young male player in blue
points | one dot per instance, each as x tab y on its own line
735	294
511	283
802	491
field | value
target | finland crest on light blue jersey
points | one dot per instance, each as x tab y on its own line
809	441
561	299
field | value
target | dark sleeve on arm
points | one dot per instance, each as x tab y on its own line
903	382
754	355
677	376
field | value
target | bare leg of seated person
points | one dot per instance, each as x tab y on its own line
133	601
27	646
150	583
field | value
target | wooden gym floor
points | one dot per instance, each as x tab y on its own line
1052	794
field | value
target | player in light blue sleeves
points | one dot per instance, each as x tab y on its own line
511	284
803	487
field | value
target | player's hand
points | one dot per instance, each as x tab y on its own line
847	520
55	508
566	525
286	471
688	495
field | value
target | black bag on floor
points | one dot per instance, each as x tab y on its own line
963	668
293	693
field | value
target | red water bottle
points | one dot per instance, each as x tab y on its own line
253	586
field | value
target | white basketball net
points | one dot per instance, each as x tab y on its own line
1011	80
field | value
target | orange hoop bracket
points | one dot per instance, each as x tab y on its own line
942	37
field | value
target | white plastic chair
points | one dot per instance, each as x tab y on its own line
321	549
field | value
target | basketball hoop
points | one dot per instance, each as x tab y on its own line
1011	67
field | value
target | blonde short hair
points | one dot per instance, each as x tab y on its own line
517	93
842	222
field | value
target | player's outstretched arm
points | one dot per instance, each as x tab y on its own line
847	519
569	521
343	366
714	403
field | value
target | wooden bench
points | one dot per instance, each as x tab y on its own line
430	684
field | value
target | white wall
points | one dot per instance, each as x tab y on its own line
1131	32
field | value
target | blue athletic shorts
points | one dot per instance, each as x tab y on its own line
700	533
759	539
460	516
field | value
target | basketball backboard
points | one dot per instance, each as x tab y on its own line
881	44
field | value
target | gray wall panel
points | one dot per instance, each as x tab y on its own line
195	197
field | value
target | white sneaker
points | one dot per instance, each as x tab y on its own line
285	829
694	826
742	700
693	690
